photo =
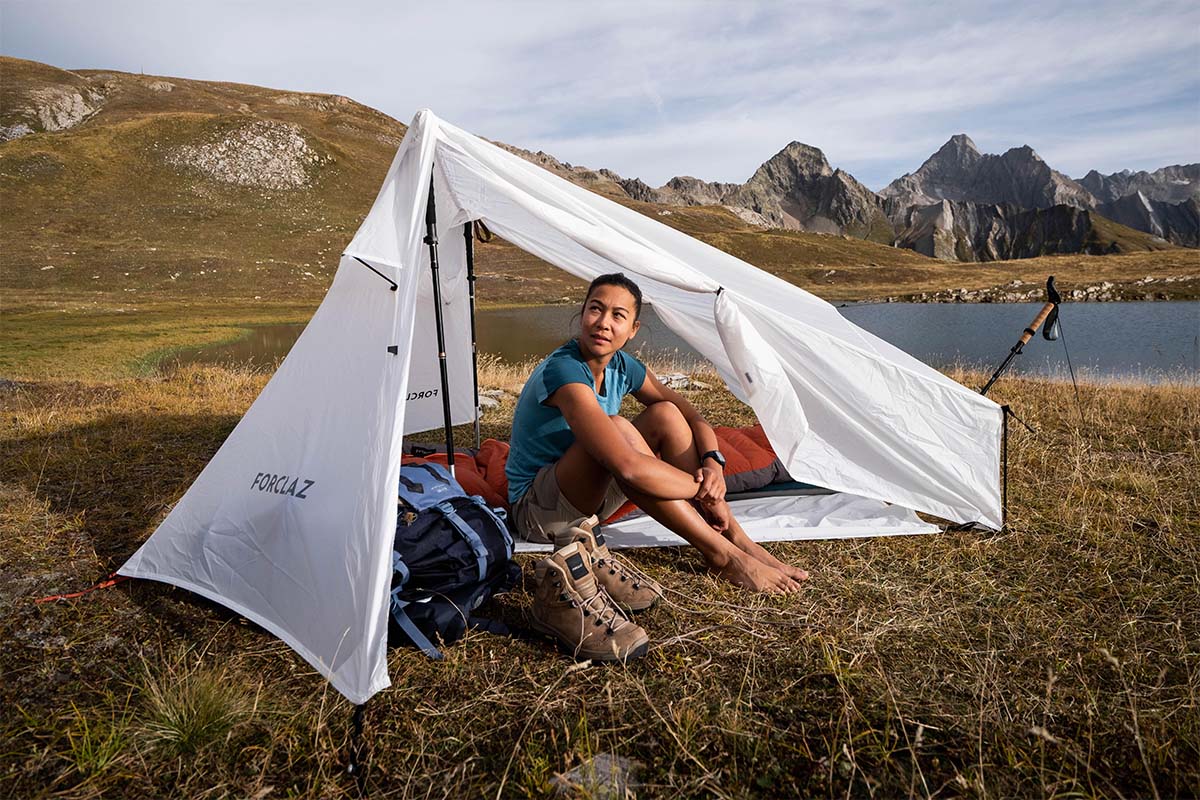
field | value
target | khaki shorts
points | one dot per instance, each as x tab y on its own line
543	511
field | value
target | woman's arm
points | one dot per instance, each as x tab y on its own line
605	443
712	475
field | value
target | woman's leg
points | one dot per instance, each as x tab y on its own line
583	481
670	437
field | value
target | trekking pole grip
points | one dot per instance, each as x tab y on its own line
1037	323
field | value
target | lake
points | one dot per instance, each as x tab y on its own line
1136	341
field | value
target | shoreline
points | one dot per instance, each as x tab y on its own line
1173	288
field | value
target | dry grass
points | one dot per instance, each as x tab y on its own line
1060	658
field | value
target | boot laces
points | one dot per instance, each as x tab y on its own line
616	567
606	612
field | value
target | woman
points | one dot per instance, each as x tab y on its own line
573	455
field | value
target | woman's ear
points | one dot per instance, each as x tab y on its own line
633	329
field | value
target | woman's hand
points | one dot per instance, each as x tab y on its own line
712	485
717	515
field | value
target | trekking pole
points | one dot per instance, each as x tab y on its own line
1048	315
431	240
470	243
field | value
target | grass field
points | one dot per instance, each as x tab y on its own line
1059	658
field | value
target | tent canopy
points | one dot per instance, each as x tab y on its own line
291	522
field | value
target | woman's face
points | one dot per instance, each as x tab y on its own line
608	320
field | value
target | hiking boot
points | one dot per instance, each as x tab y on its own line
629	589
569	605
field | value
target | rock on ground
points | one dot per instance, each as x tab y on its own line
605	777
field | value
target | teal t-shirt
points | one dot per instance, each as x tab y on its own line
540	434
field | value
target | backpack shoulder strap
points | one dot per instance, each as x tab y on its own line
499	516
468	533
401	616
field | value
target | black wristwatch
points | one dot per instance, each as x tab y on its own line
715	455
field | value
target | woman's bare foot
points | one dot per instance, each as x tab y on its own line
750	573
738	537
758	552
721	517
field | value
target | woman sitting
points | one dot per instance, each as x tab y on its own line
574	456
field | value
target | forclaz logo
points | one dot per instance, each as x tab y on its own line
282	484
421	394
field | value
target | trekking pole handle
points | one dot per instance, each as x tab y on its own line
1037	323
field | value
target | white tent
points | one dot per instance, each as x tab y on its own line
292	521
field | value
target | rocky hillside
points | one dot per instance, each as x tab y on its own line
1175	222
963	231
141	184
1175	184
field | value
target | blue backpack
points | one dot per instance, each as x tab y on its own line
451	554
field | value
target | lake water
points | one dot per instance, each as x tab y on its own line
1137	341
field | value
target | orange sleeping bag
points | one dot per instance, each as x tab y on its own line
750	464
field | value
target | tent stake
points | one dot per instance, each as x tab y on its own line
432	241
470	243
355	767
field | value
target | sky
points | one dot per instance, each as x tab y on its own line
654	89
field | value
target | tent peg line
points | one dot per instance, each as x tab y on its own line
432	240
110	580
377	272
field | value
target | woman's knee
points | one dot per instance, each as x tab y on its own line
662	420
664	413
632	435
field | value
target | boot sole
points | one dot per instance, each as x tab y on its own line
570	651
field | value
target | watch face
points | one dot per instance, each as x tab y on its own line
715	455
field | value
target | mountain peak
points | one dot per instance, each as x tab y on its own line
1024	151
800	149
800	158
959	143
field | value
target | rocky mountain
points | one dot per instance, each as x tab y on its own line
601	181
958	171
1174	184
956	230
961	205
1175	222
682	190
796	188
